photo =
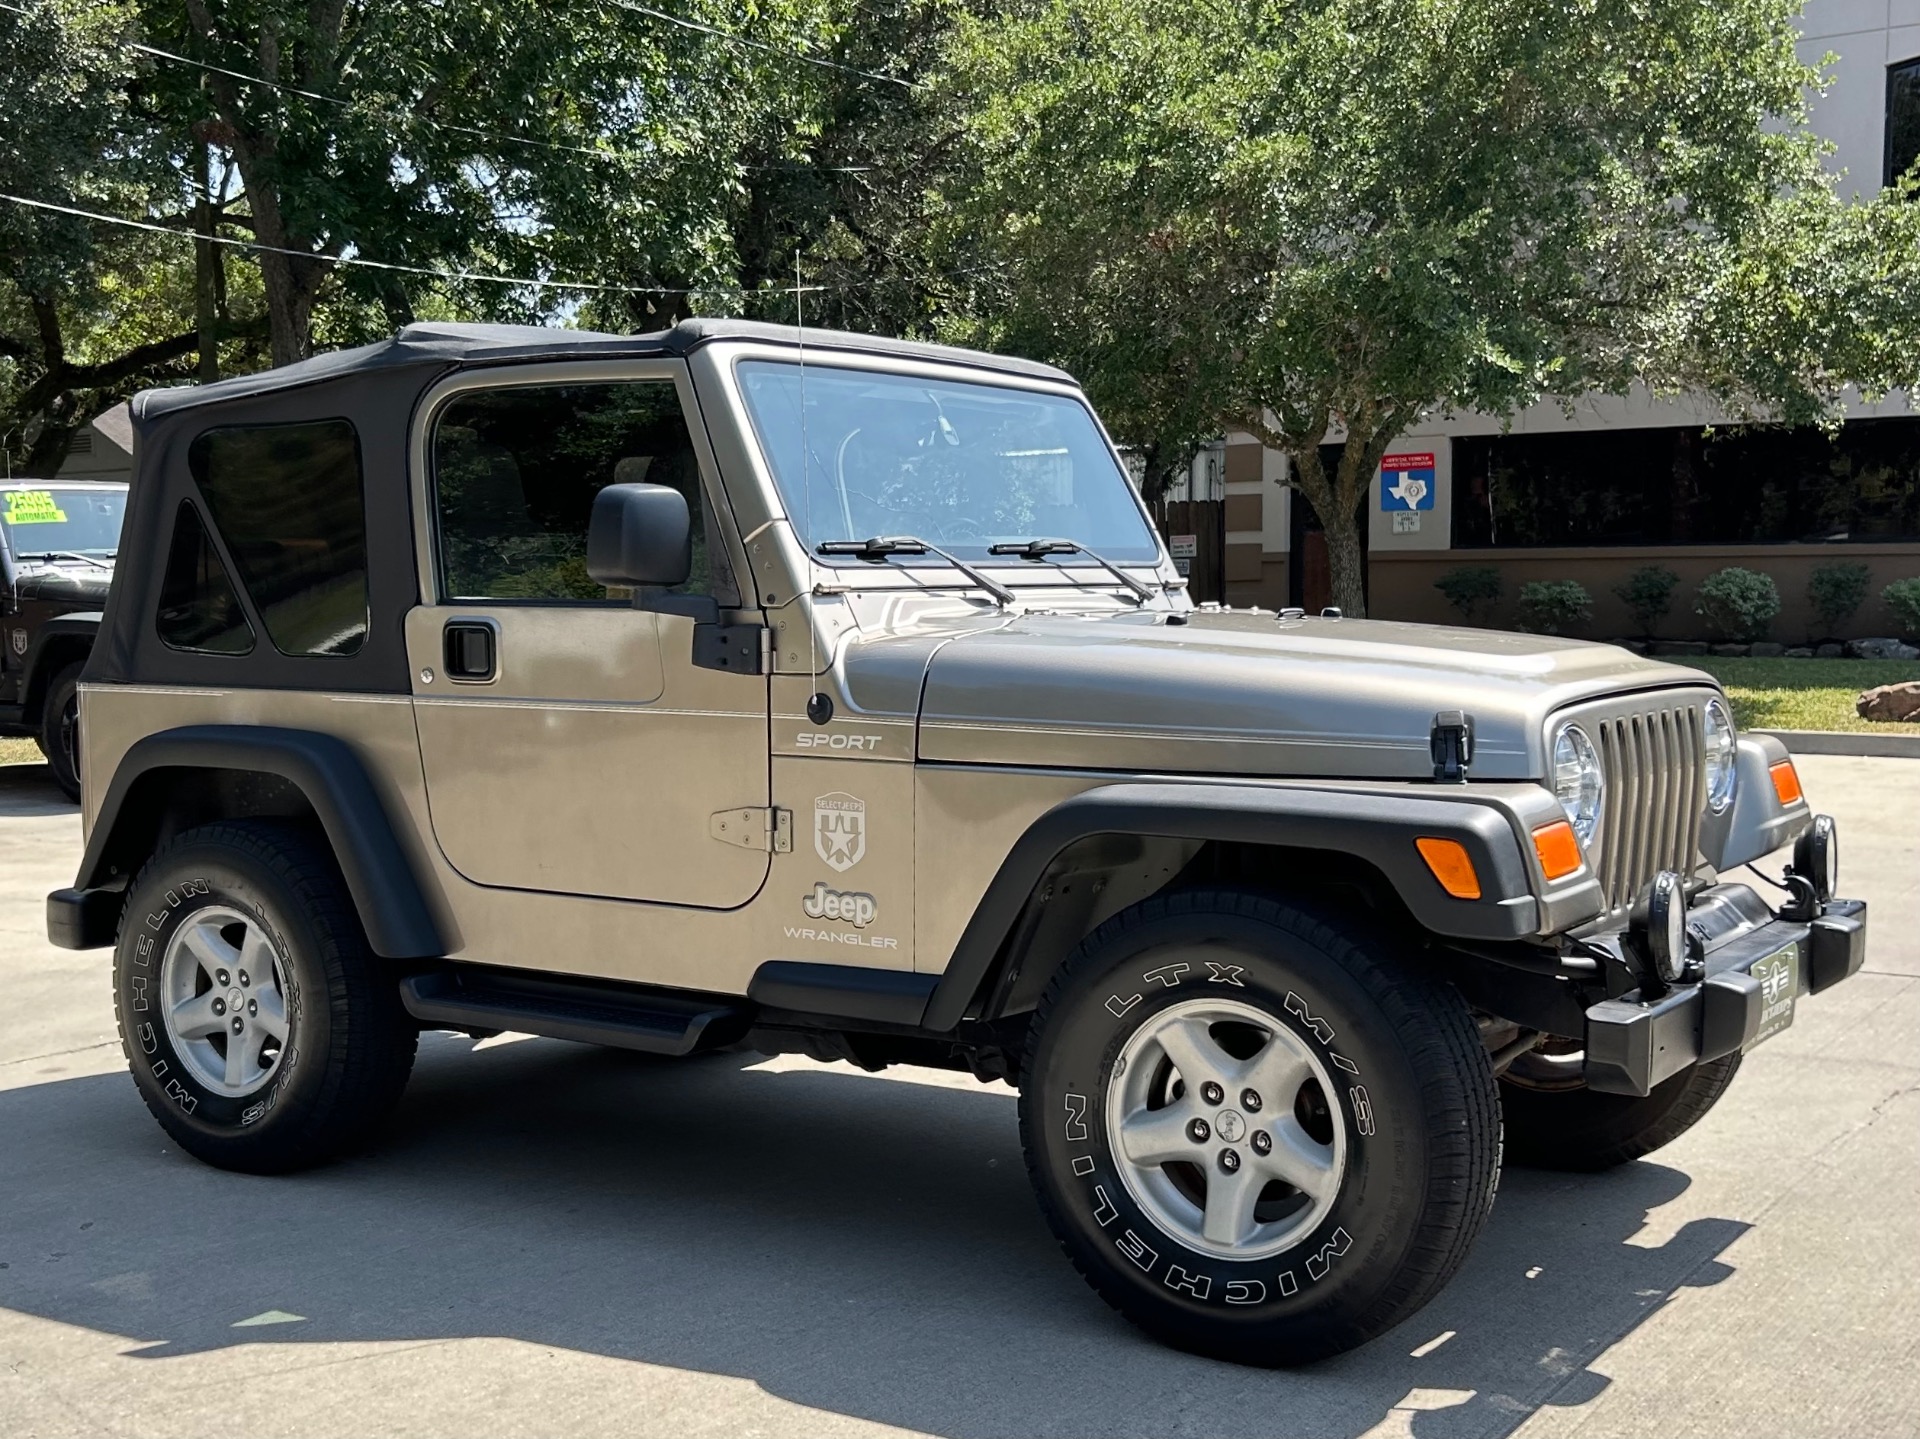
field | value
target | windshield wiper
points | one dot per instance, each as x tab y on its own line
66	555
880	547
1039	549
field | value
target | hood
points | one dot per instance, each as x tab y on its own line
1251	693
75	584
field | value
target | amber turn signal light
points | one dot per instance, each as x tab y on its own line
1558	848
1451	865
1786	782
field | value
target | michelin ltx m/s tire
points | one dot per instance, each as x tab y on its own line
260	1029
1254	1133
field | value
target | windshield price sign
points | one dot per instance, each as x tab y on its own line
33	507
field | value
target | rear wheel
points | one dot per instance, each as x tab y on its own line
1256	1134
260	1029
59	737
1554	1121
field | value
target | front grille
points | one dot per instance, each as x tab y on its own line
1656	788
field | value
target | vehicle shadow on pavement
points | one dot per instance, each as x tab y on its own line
863	1246
28	790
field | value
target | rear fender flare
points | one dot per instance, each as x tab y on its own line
382	881
1374	825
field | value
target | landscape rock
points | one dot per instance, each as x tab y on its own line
1801	652
1679	647
1881	649
1829	651
1890	702
1766	650
1731	652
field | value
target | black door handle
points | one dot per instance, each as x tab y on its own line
471	650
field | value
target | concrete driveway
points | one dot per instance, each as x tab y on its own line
558	1240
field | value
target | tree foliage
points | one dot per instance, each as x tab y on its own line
1318	219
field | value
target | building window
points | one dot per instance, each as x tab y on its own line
1903	118
1688	486
287	500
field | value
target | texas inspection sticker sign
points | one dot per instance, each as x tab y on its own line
33	507
1406	482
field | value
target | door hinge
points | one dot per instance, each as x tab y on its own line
761	829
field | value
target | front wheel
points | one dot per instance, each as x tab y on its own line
261	1030
59	737
1254	1132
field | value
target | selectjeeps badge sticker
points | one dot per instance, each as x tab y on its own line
839	830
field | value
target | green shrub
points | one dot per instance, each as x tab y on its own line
1903	598
1648	592
1552	607
1836	591
1737	604
1473	589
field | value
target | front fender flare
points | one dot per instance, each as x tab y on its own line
1375	824
379	876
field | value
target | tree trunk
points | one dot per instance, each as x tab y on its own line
1345	565
206	288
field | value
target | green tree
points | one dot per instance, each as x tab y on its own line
592	140
1316	220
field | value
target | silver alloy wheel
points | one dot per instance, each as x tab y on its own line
223	1000
1224	1129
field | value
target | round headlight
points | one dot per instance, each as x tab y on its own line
1723	749
1577	780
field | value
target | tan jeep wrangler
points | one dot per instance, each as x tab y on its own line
732	688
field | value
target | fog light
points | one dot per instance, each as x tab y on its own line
1663	927
1816	857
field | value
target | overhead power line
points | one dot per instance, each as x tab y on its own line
500	136
749	42
476	276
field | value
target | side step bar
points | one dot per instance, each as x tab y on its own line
470	998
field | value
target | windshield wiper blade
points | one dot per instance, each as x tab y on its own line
880	547
66	555
1039	549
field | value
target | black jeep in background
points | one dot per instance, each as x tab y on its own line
57	546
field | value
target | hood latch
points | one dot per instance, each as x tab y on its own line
1451	744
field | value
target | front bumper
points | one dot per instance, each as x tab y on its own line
1757	967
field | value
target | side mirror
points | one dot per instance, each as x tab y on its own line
640	537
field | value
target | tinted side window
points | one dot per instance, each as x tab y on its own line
516	470
287	499
198	607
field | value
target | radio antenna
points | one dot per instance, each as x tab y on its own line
819	704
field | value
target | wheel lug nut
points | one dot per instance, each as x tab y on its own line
253	1006
1212	1093
220	976
238	1024
1262	1142
243	977
219	1006
1230	1161
1249	1099
1199	1131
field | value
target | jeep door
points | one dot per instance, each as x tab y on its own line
570	744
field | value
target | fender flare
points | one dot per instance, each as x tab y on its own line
1369	824
379	876
83	625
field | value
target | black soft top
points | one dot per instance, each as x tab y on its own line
441	347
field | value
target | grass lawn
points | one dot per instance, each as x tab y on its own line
20	751
1805	694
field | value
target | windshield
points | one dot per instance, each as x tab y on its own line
964	466
61	519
